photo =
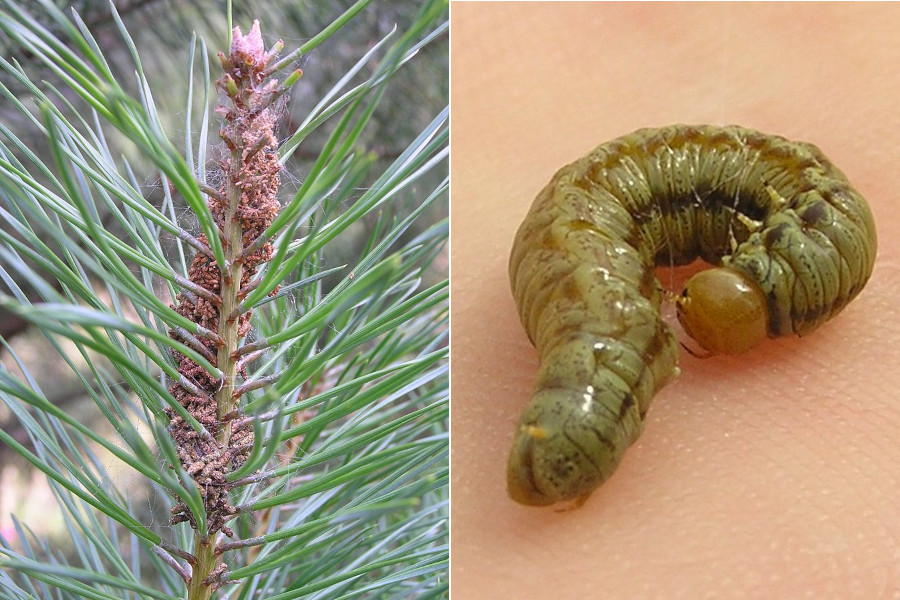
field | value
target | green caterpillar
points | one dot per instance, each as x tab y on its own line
792	242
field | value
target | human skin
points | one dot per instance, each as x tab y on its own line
771	474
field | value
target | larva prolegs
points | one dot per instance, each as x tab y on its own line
792	242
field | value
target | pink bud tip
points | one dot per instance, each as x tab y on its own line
250	45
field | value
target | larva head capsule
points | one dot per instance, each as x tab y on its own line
724	311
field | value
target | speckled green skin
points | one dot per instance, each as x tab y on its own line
582	275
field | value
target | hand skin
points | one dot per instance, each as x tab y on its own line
773	474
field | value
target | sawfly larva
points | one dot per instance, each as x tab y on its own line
792	242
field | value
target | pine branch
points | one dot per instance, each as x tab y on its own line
326	431
242	209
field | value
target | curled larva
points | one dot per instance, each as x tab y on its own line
792	242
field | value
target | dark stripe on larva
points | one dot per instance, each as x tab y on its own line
775	216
